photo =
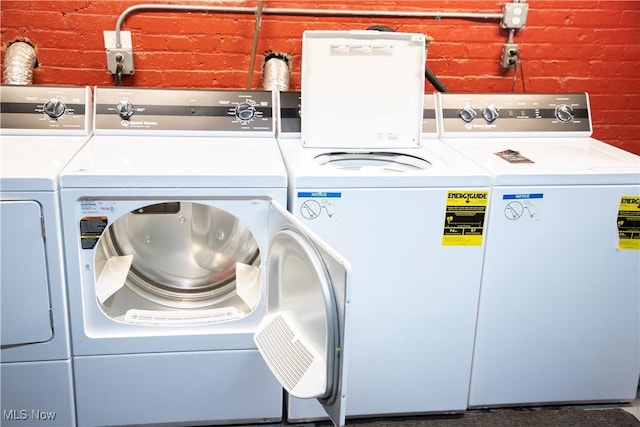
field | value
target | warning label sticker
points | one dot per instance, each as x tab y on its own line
464	218
523	206
91	228
629	222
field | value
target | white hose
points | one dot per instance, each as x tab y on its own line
19	62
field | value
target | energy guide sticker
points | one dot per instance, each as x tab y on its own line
629	222
464	218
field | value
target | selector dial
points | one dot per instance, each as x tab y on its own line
124	109
245	111
467	114
54	108
564	113
490	113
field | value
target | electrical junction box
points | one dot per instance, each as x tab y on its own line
514	15
509	55
119	55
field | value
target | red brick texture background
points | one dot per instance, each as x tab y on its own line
566	46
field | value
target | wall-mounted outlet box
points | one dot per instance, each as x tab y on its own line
514	15
509	55
119	57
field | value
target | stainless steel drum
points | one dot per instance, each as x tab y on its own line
184	253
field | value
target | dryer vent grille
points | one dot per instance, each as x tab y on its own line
289	358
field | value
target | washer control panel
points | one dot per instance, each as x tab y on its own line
45	109
178	111
290	117
514	113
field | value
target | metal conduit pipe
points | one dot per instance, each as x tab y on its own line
300	12
175	7
259	11
254	46
382	13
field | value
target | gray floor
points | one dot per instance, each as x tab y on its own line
529	417
511	417
601	415
634	407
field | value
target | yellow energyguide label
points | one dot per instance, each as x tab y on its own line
629	222
465	217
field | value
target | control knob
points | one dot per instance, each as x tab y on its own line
124	109
54	108
490	113
564	113
467	113
245	111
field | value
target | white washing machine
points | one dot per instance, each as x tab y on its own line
177	249
558	318
410	220
42	128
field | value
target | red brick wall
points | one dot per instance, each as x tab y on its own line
566	46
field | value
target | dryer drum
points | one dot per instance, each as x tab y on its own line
182	257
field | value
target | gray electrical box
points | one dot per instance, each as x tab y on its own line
122	55
514	15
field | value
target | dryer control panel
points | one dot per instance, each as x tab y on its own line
49	110
140	111
510	113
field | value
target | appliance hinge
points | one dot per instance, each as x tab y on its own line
44	231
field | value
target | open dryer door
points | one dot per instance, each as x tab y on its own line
301	337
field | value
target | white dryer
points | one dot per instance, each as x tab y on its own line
410	220
558	318
42	128
177	249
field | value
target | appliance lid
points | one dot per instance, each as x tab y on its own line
33	163
362	89
564	161
108	161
